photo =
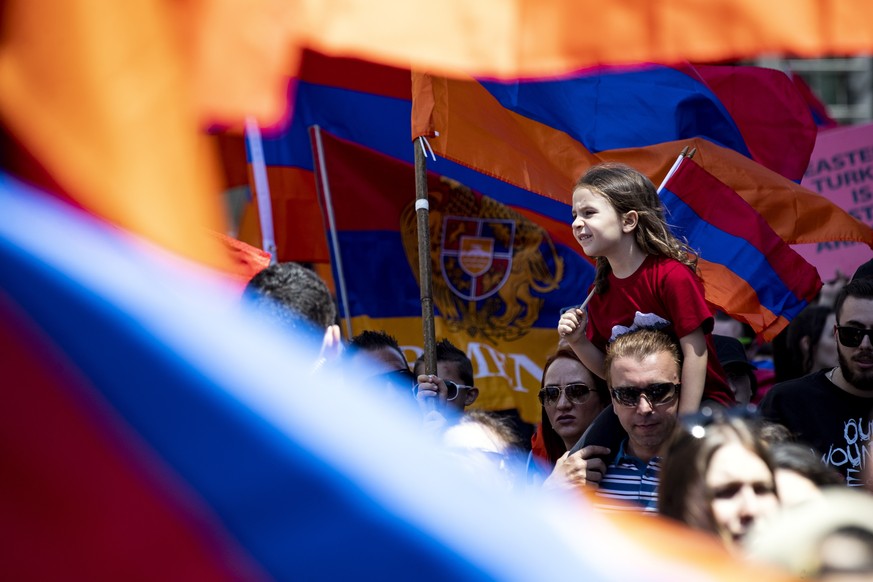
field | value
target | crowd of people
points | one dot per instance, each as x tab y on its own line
644	408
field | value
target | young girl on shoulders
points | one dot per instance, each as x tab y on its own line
643	273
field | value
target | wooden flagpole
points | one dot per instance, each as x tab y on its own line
422	212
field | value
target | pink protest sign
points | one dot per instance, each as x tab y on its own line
841	168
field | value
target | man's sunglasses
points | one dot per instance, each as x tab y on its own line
654	394
452	389
576	393
402	380
851	337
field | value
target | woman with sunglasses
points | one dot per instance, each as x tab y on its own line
718	476
571	398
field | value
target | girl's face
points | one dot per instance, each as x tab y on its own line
742	489
597	227
568	418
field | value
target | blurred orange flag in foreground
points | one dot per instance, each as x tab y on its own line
111	97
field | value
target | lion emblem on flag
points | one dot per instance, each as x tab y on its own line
491	265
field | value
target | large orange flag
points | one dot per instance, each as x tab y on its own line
520	38
109	97
110	100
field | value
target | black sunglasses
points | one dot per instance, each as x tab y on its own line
655	394
851	337
452	389
402	380
576	393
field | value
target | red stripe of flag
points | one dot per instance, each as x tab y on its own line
724	209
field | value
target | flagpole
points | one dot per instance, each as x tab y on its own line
422	211
262	187
323	186
675	167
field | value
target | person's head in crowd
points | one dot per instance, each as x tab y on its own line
830	538
773	432
643	369
378	351
800	473
497	429
854	311
297	298
810	343
865	271
740	372
830	289
571	398
717	476
456	369
292	294
724	324
485	440
625	202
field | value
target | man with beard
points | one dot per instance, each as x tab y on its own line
830	409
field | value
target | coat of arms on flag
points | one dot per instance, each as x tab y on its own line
493	268
476	255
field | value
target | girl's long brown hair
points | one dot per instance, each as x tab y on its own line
627	189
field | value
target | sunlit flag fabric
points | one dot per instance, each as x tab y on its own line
609	108
369	106
102	100
161	71
545	149
152	428
525	163
752	272
525	38
499	279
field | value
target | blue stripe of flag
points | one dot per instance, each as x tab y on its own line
213	406
618	108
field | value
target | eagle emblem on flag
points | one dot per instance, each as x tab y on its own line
491	266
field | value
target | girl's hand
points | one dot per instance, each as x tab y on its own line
572	324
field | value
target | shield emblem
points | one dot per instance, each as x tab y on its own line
476	255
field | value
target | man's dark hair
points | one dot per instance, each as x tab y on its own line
858	288
865	271
291	292
369	341
803	461
808	323
446	351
